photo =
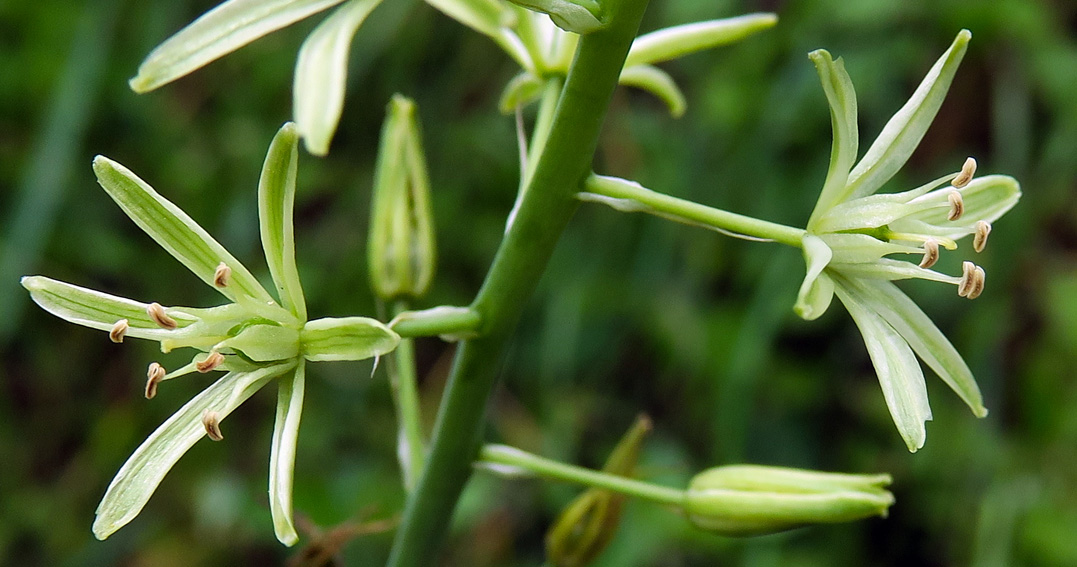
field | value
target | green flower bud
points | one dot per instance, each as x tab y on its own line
747	500
401	253
587	525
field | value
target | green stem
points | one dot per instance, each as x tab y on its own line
543	123
442	320
548	204
404	380
513	457
632	197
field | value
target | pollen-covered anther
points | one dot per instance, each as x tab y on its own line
978	282
957	206
968	169
212	361
931	253
972	280
154	374
157	313
119	330
979	238
211	420
222	275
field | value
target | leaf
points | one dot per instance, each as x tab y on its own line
674	42
218	32
276	204
321	74
282	454
907	127
841	97
347	338
817	289
658	83
147	466
899	372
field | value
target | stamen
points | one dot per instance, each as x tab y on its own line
154	374
957	206
979	240
931	253
211	420
222	275
968	169
978	283
972	280
119	330
212	361
157	313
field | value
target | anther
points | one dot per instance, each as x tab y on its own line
968	169
968	272
978	281
222	275
979	239
119	330
212	361
154	374
957	206
211	420
157	313
931	253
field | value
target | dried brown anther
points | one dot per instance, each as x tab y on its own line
119	331
154	374
222	275
972	280
968	169
211	420
157	313
212	361
979	238
931	253
957	206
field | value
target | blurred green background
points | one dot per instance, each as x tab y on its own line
634	315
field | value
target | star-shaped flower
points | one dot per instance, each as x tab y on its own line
254	338
853	231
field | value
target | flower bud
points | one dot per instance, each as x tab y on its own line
747	500
401	253
587	525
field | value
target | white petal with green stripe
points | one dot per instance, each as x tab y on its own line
347	338
276	204
282	453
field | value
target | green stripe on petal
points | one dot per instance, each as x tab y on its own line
347	338
900	375
986	198
216	33
276	203
673	42
321	74
145	469
282	453
841	97
924	337
178	234
906	128
658	83
817	289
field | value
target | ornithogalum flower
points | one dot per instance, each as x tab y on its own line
254	338
854	230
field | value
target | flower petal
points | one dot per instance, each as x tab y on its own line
522	90
577	16
347	338
321	74
841	97
658	83
924	337
986	198
178	234
817	290
673	42
276	202
484	16
899	372
861	248
906	128
218	32
265	343
282	453
147	466
890	269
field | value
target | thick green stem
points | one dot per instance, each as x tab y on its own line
405	385
632	197
513	457
442	320
548	204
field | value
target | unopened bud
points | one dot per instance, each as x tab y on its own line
154	374
931	253
968	169
222	275
979	238
211	362
157	313
119	330
747	500
401	252
211	420
957	206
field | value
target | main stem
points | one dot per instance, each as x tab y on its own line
548	204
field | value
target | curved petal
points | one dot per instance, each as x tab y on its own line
986	198
899	372
841	97
676	41
147	466
522	90
658	83
282	454
817	290
347	338
484	16
276	202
